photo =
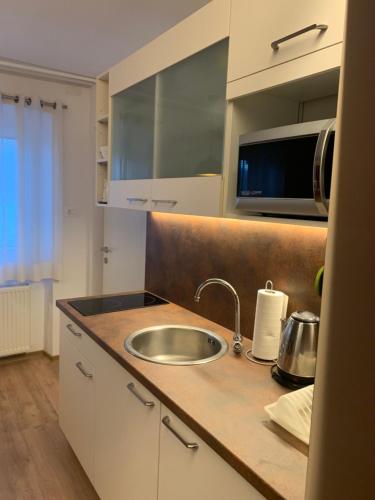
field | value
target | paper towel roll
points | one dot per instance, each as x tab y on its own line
270	309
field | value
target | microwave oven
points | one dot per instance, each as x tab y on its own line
287	170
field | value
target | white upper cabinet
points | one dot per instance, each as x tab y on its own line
131	194
266	34
203	28
167	119
167	137
190	196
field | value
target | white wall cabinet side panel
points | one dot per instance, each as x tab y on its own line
132	194
192	195
77	403
254	25
203	28
187	474
297	69
127	436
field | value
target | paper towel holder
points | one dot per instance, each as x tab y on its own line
268	288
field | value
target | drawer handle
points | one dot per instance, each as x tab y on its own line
171	202
167	422
321	27
133	390
81	368
140	200
71	329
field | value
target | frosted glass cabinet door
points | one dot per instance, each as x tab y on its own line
133	132
190	115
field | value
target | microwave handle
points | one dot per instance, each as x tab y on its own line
319	168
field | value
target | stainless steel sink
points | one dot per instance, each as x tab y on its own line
176	345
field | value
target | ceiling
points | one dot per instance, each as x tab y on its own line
85	37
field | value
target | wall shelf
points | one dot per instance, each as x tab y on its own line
102	138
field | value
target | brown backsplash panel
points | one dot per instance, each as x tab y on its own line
183	251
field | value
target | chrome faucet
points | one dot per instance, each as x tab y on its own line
237	338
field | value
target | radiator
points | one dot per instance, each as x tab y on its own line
15	320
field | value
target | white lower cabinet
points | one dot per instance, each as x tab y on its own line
127	436
131	446
189	469
77	402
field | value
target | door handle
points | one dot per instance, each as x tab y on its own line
81	368
71	329
139	200
167	422
132	389
321	27
105	249
171	202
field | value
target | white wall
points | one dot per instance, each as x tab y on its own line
82	222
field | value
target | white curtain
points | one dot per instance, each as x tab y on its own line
30	191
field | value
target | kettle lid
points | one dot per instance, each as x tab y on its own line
305	317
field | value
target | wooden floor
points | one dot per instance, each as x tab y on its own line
36	461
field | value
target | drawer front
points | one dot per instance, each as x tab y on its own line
77	404
132	194
188	195
254	26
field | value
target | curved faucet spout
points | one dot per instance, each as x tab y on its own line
237	338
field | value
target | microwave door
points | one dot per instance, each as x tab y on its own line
275	176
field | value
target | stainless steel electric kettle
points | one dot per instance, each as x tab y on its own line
298	347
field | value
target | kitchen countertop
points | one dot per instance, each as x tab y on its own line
222	401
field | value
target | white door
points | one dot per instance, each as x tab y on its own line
126	437
190	469
124	250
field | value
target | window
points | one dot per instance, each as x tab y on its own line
30	192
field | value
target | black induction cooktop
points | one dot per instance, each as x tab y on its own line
89	307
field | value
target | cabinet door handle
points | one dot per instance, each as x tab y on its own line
133	390
171	202
140	200
81	368
321	27
167	422
70	327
